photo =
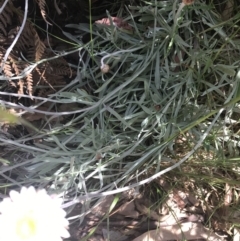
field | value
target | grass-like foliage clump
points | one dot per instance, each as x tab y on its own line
173	73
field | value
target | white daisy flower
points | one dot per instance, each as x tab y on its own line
32	216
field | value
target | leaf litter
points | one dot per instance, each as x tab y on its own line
173	212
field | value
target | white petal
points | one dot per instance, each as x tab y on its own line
23	191
14	195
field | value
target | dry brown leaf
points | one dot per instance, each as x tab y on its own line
128	210
164	184
180	198
188	2
224	211
145	210
102	207
185	231
118	22
113	235
228	10
192	199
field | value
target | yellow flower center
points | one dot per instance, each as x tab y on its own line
26	227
